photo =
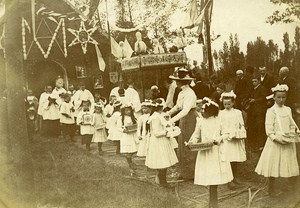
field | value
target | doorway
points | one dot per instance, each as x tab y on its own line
44	73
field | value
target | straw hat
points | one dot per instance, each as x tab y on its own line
181	74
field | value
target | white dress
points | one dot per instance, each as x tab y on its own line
232	121
113	133
85	129
160	152
278	160
99	125
141	132
212	167
108	111
128	141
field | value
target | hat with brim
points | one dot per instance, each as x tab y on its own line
182	75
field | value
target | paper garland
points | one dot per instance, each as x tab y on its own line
61	24
83	36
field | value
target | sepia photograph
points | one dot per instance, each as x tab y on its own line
149	103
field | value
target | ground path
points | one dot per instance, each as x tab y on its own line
197	196
63	170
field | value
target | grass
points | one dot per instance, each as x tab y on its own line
66	176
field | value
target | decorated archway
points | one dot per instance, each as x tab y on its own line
44	73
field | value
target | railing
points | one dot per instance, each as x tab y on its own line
154	60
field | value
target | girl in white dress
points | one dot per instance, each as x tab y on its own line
211	168
128	138
99	123
279	157
160	154
141	128
113	132
84	119
233	126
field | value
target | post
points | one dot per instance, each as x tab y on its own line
18	188
208	13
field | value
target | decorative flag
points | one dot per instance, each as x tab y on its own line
191	17
127	49
195	19
101	62
115	48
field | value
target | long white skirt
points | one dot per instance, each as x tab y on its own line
114	134
160	153
143	146
212	168
235	150
278	160
128	143
99	135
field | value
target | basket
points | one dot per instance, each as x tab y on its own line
131	128
200	146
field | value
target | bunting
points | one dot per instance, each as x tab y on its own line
194	19
101	62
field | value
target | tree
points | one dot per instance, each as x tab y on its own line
290	14
287	54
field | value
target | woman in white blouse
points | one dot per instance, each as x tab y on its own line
186	115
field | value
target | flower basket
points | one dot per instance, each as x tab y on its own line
131	128
200	146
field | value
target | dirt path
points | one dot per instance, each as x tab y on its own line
189	194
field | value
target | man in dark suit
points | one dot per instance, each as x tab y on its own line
256	134
266	80
284	78
201	90
242	88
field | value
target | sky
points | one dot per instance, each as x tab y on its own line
247	18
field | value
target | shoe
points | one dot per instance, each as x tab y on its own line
101	152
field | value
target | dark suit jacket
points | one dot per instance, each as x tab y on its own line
201	90
259	107
268	83
291	96
242	90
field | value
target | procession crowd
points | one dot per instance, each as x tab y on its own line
204	128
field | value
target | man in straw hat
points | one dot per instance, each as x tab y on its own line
186	115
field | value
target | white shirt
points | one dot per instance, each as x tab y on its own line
180	42
43	98
56	92
79	96
158	49
132	96
185	102
51	112
66	109
114	92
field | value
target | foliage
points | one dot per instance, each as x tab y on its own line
290	14
230	58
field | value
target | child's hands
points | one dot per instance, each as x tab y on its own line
282	140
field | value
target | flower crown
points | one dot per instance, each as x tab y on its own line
117	103
208	102
99	105
230	94
127	105
280	88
